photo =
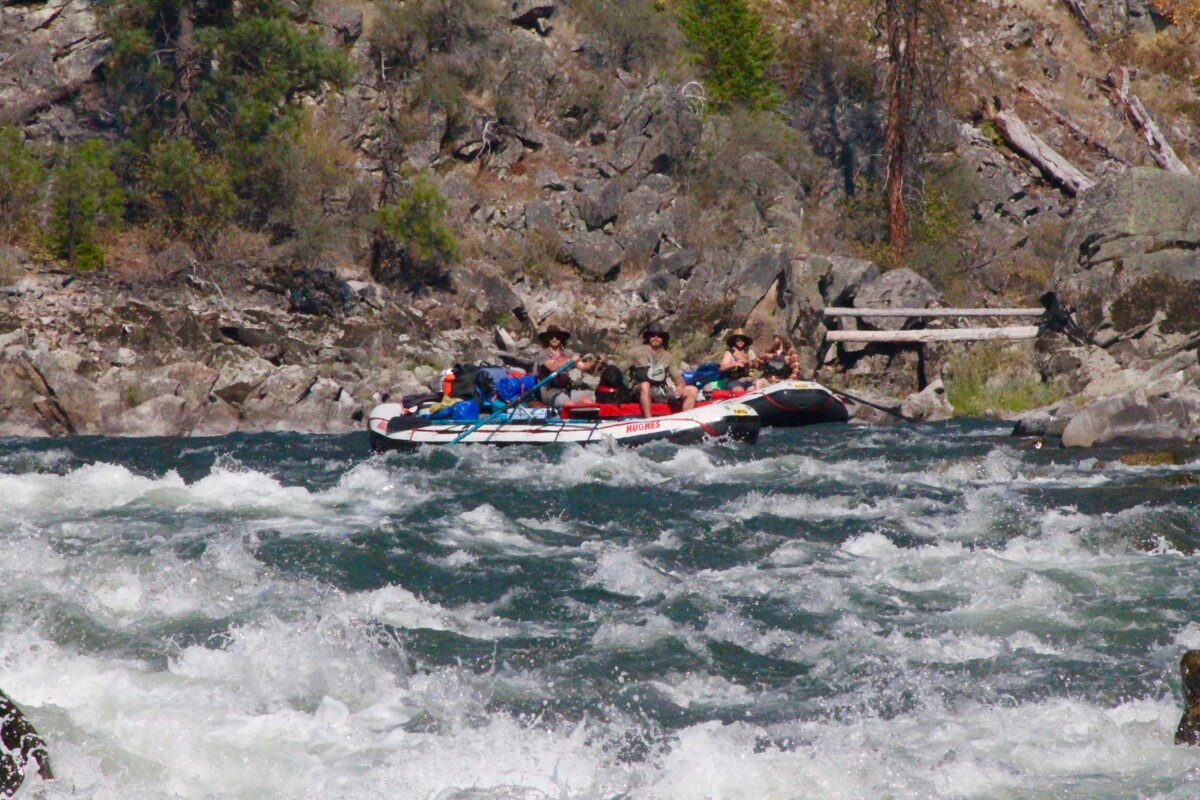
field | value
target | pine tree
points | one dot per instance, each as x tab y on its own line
84	200
734	49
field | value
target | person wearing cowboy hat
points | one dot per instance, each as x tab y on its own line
738	360
553	356
662	380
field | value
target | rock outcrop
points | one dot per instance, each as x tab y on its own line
1130	264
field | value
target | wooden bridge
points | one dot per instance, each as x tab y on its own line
922	336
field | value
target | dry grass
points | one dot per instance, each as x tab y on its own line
11	269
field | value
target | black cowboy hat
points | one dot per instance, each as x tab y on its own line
658	329
738	334
553	330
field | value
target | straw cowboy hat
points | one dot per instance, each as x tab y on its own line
738	333
657	329
553	330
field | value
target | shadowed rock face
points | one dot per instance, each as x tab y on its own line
19	744
1188	731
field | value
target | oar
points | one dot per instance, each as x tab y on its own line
884	409
511	403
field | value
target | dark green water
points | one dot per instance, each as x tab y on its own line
834	612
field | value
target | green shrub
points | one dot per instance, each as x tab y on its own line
939	223
230	78
415	236
84	200
994	376
327	203
636	33
437	46
734	49
184	192
714	172
21	178
408	31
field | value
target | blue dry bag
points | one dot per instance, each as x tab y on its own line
509	389
707	372
467	409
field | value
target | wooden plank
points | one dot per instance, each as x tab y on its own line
837	311
939	335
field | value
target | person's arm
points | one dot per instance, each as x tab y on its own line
728	362
676	372
589	363
793	360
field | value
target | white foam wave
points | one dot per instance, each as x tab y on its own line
364	496
93	487
622	571
1063	749
486	529
817	508
401	608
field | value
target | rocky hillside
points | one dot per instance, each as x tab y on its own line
591	177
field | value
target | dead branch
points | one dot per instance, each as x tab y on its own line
1083	137
1160	149
1023	141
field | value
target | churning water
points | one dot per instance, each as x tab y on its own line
837	612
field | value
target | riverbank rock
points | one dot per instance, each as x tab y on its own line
20	747
930	404
1164	409
1188	731
1048	422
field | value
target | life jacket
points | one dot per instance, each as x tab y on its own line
738	370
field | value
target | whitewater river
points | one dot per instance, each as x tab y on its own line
844	612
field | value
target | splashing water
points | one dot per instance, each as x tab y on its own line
840	612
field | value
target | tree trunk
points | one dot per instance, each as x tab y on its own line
902	32
185	68
1023	141
1160	149
1081	17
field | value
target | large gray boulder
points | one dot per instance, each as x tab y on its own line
897	288
1130	263
1167	408
843	276
597	255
